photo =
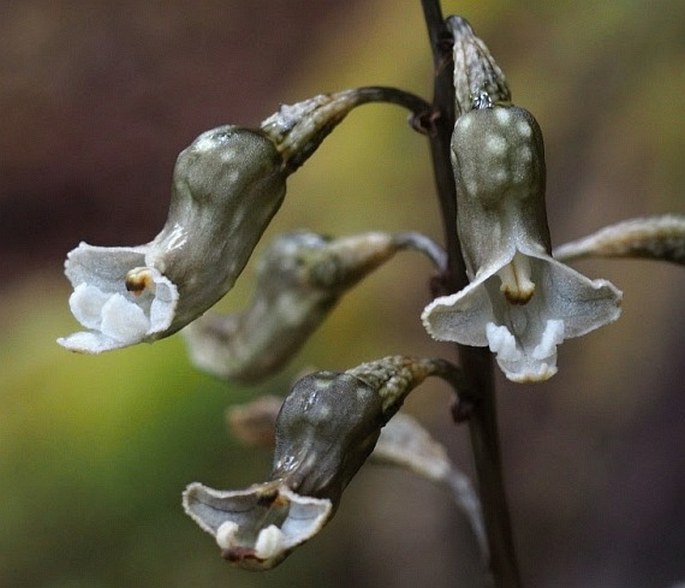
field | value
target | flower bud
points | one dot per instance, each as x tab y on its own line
478	80
656	237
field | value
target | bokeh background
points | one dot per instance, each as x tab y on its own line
97	98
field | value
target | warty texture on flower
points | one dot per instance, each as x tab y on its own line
227	185
327	427
521	302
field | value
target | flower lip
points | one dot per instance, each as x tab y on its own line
118	305
524	335
258	527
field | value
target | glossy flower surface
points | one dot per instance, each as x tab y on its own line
227	186
325	430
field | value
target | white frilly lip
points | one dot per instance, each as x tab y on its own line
113	316
256	528
565	304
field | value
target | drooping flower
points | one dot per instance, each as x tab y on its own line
300	278
521	302
227	186
403	443
326	428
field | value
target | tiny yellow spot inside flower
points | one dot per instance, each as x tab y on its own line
138	280
517	286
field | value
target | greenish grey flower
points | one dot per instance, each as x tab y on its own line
300	279
327	427
521	302
227	185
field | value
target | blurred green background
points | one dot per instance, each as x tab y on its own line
97	100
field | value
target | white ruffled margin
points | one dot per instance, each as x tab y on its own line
525	337
115	318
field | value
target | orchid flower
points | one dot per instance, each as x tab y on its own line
227	185
521	302
327	427
300	278
403	443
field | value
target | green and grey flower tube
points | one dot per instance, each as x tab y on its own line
326	429
521	302
227	185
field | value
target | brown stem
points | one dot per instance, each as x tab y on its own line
476	363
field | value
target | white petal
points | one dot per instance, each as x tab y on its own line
503	343
84	342
583	304
103	267
102	304
461	317
123	320
270	542
551	337
241	521
518	363
86	304
226	533
163	306
525	336
534	372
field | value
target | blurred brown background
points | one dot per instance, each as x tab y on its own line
97	98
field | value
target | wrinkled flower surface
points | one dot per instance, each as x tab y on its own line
521	303
227	186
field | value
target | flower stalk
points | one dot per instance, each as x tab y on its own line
476	363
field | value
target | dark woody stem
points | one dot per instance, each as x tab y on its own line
476	363
415	104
